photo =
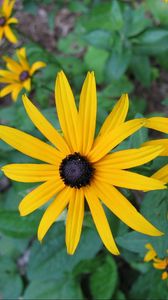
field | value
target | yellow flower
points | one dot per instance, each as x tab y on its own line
150	254
6	20
159	124
77	167
165	1
162	264
18	75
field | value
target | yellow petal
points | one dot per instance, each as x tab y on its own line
53	211
36	66
6	90
87	112
30	145
129	180
21	54
39	196
100	220
74	220
16	91
163	142
108	141
162	174
12	21
7	7
9	75
123	209
31	172
126	159
1	33
27	84
13	65
160	264
157	123
117	115
67	112
150	254
45	127
164	275
10	35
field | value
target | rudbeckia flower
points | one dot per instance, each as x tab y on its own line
6	20
18	74
151	254
159	124
79	167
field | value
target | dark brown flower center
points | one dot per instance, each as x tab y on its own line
2	21
24	75
76	171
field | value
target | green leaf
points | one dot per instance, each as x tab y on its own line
99	38
95	60
138	23
141	68
158	9
133	241
12	224
149	286
118	63
103	280
65	288
50	260
10	282
155	207
152	41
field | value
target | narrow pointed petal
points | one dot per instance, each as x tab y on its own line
12	21
31	172
123	209
9	75
87	112
10	35
27	84
163	142
13	65
100	220
7	90
108	141
117	115
16	92
39	196
162	174
126	159
45	126
67	111
8	7
74	220
1	33
30	145
21	54
53	211
36	66
129	180
150	254
157	123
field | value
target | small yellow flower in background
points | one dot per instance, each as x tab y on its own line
159	124
77	166
18	74
161	264
6	20
165	1
150	254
